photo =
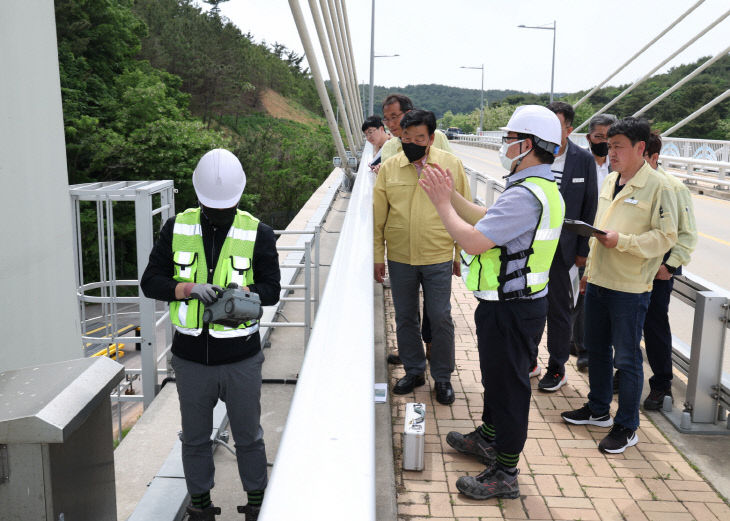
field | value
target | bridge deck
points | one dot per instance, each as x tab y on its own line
562	473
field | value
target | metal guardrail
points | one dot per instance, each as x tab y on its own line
707	398
327	430
703	161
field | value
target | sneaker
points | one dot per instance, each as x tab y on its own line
655	400
584	416
535	371
252	512
616	379
551	382
473	444
492	482
205	514
618	439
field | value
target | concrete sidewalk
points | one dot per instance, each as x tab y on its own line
563	476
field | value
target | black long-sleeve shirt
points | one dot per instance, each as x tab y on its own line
158	283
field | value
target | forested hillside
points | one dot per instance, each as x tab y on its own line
149	86
713	124
437	98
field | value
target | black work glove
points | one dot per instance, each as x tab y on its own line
206	293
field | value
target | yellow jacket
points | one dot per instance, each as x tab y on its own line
394	145
686	226
405	218
644	214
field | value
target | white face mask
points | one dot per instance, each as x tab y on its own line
506	161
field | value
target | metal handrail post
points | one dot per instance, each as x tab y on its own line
705	368
317	231
307	291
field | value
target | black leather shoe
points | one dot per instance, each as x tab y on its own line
394	359
444	393
582	362
406	384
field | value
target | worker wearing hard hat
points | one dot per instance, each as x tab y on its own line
508	250
199	251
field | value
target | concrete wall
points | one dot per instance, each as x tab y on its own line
39	321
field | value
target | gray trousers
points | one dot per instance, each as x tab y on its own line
239	385
405	281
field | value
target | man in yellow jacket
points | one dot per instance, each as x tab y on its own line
420	253
637	212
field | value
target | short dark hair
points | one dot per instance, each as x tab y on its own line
541	154
566	109
653	144
372	122
419	117
404	101
636	129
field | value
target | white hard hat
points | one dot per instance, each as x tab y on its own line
219	179
538	121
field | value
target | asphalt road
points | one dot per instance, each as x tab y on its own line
709	258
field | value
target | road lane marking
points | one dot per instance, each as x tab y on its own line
721	241
480	159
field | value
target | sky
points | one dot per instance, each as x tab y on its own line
434	38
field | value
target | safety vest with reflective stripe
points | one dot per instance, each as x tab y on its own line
234	265
486	273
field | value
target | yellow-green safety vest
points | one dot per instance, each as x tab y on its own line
234	265
486	275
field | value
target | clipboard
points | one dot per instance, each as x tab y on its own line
581	228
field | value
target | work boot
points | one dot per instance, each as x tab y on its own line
473	444
251	512
492	482
206	514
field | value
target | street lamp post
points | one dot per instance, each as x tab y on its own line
554	30
372	84
481	107
372	60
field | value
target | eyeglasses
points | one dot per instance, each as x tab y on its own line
392	118
371	131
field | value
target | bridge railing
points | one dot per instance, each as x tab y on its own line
707	398
331	422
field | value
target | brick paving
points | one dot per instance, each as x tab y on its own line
563	476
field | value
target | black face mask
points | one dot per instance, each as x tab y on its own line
414	152
599	149
219	217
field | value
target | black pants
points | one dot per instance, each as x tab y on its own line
658	335
506	333
559	318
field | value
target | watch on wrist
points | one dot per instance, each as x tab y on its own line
670	269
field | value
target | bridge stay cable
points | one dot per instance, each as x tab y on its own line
340	34
319	82
638	53
358	98
653	70
331	71
697	112
336	43
681	82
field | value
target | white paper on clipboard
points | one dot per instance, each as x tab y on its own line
575	283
